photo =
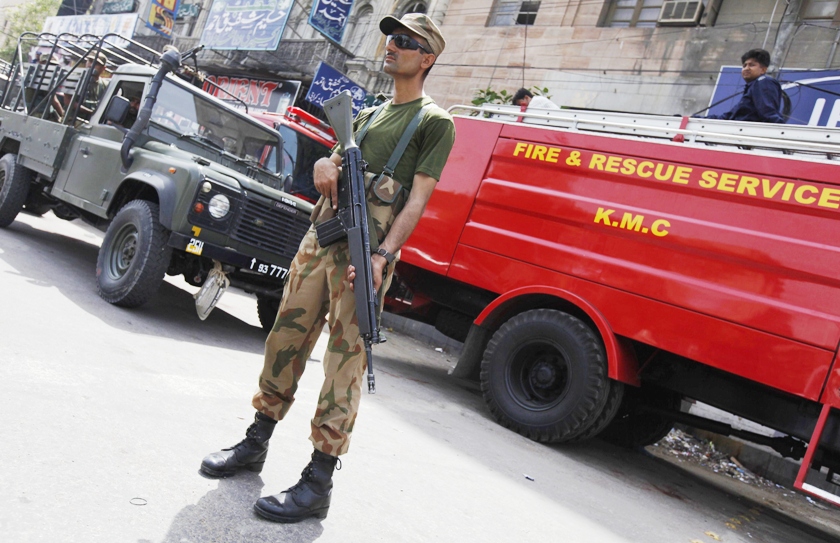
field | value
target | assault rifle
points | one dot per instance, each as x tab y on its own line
352	220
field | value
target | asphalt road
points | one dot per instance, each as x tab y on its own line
105	414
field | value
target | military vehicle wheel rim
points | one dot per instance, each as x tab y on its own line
124	250
538	376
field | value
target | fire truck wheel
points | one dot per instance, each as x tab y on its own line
608	413
14	188
134	255
634	427
544	375
267	310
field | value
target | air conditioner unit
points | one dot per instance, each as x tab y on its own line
677	13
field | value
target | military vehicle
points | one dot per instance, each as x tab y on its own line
181	183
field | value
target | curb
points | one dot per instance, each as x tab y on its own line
764	461
421	332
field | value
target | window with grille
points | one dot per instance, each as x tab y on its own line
633	13
507	13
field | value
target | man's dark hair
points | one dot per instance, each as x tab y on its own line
520	94
759	55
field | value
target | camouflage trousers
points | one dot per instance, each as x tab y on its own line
318	292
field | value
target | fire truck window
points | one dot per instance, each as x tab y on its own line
300	154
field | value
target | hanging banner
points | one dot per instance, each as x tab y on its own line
329	17
258	94
98	25
328	82
814	94
254	25
161	17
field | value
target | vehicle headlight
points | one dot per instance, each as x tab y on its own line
219	206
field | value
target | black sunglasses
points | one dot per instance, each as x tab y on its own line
403	41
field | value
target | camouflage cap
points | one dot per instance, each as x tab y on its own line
420	24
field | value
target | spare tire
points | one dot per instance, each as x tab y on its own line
633	426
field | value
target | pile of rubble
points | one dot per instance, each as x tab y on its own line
702	452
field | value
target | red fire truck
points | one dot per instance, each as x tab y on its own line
601	267
306	138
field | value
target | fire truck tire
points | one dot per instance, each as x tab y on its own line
267	310
634	427
544	375
14	188
608	413
134	255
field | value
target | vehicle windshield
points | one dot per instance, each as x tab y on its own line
192	116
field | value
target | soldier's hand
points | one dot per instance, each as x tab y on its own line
326	179
377	268
351	276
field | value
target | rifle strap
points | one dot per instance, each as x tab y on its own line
393	161
404	141
363	132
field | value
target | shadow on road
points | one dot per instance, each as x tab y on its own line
226	514
49	259
633	476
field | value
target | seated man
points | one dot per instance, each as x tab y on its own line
133	110
762	94
525	99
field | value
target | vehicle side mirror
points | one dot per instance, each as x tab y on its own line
117	110
287	184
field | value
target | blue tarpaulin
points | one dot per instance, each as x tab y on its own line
814	94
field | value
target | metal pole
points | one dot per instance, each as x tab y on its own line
830	60
769	25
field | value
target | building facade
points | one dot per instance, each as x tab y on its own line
301	48
652	56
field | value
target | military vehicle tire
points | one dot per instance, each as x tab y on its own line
14	188
134	255
544	375
36	210
267	310
634	427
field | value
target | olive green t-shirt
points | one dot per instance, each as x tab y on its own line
429	147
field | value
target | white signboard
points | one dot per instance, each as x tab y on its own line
98	25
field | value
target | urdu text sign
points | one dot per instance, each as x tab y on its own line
329	17
254	25
329	82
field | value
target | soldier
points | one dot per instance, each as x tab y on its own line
96	86
319	281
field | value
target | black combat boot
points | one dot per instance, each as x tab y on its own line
310	497
248	454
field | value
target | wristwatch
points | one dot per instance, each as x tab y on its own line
388	256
